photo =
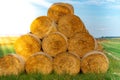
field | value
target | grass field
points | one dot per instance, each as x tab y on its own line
111	49
6	45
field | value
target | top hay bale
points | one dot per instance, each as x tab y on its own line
42	26
67	5
27	45
94	62
58	10
11	64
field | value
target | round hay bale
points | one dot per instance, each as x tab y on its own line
67	5
27	45
42	26
66	63
94	62
39	63
11	64
81	43
70	24
58	10
54	43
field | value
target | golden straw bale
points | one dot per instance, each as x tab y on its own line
66	63
27	45
70	24
11	64
58	10
39	63
94	62
67	5
81	43
42	26
54	43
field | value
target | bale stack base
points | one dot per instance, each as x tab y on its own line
66	63
94	62
11	64
39	63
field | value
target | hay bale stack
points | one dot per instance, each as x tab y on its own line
54	44
94	62
58	10
39	63
62	35
70	24
27	45
66	63
11	64
42	26
81	43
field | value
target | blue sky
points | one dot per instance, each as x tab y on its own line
101	17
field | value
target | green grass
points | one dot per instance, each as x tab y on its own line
110	46
6	49
54	76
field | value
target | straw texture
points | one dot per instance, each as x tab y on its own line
11	64
94	62
81	43
54	44
42	26
39	63
70	24
27	45
58	10
66	63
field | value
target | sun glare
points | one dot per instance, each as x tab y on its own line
16	16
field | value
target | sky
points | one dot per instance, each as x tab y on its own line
101	17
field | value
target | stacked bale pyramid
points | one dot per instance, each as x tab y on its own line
61	43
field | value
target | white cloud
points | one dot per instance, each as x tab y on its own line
111	0
41	2
115	6
97	2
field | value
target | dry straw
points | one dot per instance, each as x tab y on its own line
39	63
99	46
42	26
66	63
94	62
58	10
54	43
70	24
11	64
81	43
27	45
67	5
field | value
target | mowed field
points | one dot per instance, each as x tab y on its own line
111	47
